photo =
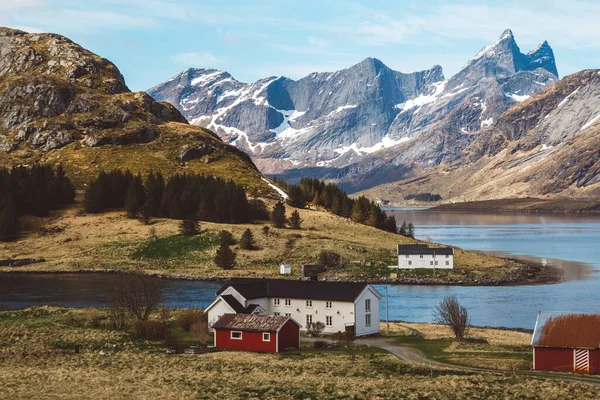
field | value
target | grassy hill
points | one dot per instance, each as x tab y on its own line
72	241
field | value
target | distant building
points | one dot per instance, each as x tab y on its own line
382	202
340	306
285	269
567	343
412	256
260	333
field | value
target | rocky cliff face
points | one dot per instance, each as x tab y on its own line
545	146
345	124
59	102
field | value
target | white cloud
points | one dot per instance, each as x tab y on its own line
197	59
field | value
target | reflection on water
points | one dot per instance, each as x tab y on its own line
572	270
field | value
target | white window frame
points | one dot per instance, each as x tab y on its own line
309	317
367	305
276	302
329	305
235	338
287	314
288	302
267	335
407	256
309	304
277	314
436	263
447	262
420	255
447	256
328	320
430	262
367	320
410	263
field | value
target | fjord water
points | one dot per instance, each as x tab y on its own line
571	242
571	238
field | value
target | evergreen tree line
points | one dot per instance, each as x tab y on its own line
31	190
334	199
423	197
183	195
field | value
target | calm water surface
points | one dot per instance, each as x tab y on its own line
555	238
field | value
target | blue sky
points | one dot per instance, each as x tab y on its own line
152	40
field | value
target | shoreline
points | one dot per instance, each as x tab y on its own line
528	273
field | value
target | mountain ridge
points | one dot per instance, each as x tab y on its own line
340	125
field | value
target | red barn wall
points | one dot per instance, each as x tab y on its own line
289	336
251	341
549	359
561	360
595	361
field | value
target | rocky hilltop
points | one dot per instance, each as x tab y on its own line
367	124
546	147
60	103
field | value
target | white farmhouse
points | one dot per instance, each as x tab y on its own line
341	306
421	256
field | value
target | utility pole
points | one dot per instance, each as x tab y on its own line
387	319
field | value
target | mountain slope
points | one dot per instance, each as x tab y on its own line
346	125
546	146
60	103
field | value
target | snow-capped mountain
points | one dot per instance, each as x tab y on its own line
344	123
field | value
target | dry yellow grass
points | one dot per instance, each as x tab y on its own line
498	337
129	368
107	241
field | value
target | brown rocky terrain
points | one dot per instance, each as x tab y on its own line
60	103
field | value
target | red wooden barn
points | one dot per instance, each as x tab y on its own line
567	343
255	332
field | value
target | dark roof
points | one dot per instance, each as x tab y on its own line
233	303
291	289
568	330
252	322
424	249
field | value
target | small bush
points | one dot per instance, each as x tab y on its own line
329	258
186	318
93	318
150	330
319	344
315	328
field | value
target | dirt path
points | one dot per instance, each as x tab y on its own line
414	356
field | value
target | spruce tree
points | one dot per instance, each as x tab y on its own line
190	226
9	221
411	230
146	213
296	197
227	238
225	257
247	241
278	215
403	229
132	205
295	220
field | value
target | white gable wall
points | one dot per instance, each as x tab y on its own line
219	308
361	328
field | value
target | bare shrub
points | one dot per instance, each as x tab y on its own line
150	330
319	344
134	294
93	318
315	328
187	318
449	312
199	331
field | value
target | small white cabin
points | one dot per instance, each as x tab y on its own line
285	269
412	256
